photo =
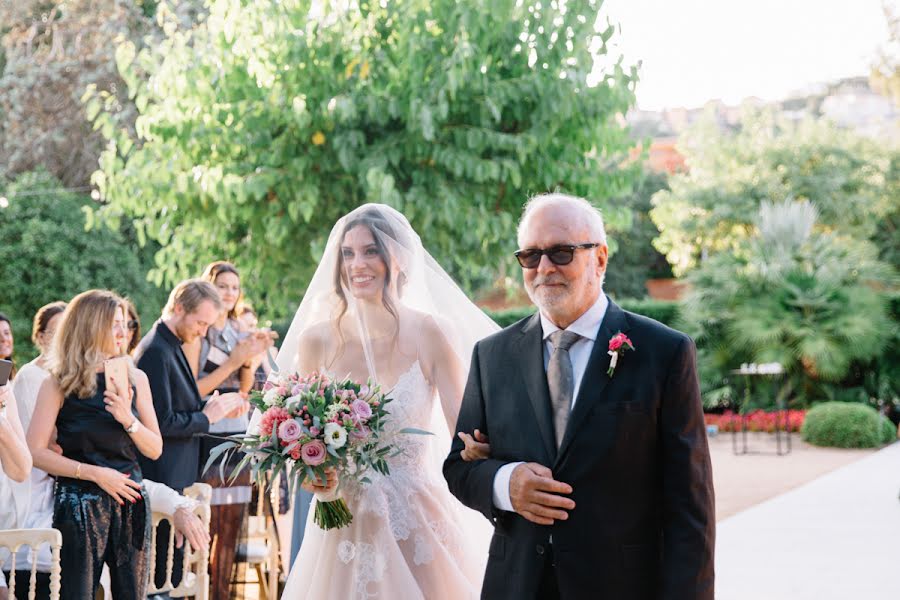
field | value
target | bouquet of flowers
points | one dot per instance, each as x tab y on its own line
310	424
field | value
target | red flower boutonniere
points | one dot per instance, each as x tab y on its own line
617	346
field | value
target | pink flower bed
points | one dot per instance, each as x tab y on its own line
758	420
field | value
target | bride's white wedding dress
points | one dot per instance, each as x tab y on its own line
408	538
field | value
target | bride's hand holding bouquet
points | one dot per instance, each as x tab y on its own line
321	432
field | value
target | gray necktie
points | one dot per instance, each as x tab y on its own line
561	380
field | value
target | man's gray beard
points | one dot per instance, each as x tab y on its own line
548	303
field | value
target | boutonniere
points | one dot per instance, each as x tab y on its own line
617	346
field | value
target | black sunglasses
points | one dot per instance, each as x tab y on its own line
133	325
530	258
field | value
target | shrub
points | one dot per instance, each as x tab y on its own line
846	425
46	255
664	311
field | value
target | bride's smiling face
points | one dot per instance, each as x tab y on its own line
363	263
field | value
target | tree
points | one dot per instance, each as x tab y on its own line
791	294
885	75
53	50
46	254
852	181
634	259
265	122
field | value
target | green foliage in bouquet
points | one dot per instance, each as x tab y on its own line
847	425
264	122
809	300
308	426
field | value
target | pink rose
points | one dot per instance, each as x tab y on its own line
360	434
618	340
313	453
314	431
289	430
361	410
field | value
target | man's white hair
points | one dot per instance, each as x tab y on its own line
592	217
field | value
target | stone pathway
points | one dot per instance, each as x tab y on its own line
834	538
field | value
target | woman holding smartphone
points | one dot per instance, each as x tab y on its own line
99	502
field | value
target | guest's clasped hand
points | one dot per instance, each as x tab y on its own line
225	406
536	495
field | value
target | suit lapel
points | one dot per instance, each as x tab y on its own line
595	378
173	340
532	348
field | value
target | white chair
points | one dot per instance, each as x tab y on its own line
13	539
195	571
260	548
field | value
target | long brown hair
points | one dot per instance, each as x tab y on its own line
83	340
212	272
375	222
43	317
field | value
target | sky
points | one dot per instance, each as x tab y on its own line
693	51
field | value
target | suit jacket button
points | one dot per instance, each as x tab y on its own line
540	549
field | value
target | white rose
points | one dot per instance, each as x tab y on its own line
271	397
335	435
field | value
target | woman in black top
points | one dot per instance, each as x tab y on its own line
99	504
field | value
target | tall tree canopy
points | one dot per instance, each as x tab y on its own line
264	122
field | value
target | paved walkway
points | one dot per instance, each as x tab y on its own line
837	537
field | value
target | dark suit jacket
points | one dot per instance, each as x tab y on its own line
634	452
178	407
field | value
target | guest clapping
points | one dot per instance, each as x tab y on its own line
99	500
223	361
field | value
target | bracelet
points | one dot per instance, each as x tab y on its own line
78	471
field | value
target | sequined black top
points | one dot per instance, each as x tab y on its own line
88	433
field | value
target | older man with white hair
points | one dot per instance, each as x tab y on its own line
597	477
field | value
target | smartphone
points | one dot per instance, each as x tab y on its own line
5	371
116	371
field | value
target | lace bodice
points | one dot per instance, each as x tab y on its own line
412	405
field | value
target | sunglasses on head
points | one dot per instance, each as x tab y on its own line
563	254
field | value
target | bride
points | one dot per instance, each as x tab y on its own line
380	307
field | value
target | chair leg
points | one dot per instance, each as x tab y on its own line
263	588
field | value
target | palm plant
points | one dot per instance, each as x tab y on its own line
812	301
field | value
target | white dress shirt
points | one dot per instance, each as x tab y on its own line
587	326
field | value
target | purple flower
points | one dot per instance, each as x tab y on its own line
361	410
360	434
289	430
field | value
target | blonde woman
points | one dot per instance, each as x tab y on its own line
99	504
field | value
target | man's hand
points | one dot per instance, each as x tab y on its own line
220	406
188	525
477	448
535	494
